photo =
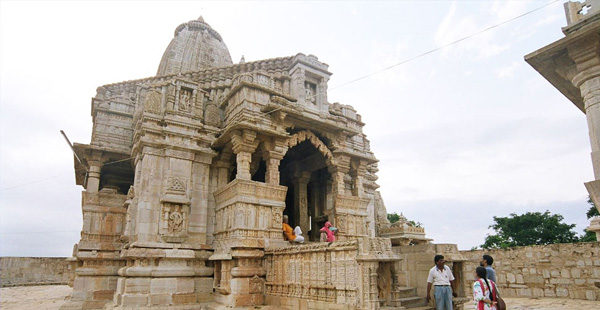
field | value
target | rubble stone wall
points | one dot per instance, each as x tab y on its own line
570	270
16	271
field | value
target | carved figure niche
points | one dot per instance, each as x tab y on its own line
174	222
184	101
311	92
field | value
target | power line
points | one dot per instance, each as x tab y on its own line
444	46
346	83
39	232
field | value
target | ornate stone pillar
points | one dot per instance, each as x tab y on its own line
274	151
586	55
359	169
244	144
338	174
300	183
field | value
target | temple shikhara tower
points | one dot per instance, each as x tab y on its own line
189	173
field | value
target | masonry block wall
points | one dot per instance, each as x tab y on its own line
569	270
15	271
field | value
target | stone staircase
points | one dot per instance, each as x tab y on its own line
406	298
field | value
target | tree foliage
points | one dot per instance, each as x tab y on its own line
593	211
531	228
590	236
393	217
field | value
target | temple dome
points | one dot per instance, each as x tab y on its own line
195	46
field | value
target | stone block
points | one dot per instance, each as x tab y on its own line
134	300
576	273
181	299
205	297
185	286
546	273
565	273
163	286
203	285
524	292
240	286
510	278
591	295
537	292
520	279
562	292
533	279
549	292
103	295
559	281
137	285
161	299
273	300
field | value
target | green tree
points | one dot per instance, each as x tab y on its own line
593	211
393	217
531	228
590	236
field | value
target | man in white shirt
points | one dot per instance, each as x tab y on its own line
440	276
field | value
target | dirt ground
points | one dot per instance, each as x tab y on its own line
50	297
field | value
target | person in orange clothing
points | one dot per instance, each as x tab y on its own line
292	235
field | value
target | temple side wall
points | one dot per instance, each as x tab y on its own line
570	270
17	271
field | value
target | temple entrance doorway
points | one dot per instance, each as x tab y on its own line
308	202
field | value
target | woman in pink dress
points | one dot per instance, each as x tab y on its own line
326	229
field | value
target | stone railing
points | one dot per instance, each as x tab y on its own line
318	272
352	274
570	270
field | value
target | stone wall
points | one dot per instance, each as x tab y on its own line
15	271
570	270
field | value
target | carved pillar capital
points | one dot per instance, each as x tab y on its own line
339	172
244	144
274	150
244	141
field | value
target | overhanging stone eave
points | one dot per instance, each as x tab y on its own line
542	61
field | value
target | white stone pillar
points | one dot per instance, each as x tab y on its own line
93	180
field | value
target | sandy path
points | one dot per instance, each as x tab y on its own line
51	297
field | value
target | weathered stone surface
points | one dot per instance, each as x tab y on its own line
558	275
16	271
190	172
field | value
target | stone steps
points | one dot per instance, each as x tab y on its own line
405	297
404	291
404	308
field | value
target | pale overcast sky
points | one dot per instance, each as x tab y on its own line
462	134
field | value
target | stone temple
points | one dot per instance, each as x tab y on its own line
189	173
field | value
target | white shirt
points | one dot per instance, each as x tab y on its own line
437	277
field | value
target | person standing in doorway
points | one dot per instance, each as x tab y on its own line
487	262
440	277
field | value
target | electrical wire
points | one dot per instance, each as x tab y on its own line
346	83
